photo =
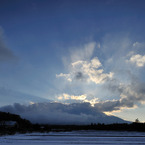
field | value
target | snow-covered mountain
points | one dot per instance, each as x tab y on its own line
58	113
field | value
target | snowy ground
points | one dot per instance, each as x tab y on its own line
75	137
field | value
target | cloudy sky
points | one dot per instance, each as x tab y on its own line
74	52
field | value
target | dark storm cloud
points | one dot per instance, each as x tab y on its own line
5	53
131	94
108	106
57	113
114	105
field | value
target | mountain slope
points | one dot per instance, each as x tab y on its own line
58	113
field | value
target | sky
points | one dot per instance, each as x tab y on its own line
73	52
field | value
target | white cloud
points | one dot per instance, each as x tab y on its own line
83	78
66	76
65	96
138	60
92	101
95	62
89	71
130	95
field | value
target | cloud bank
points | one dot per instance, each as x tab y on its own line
58	113
130	95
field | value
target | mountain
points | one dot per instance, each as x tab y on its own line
23	126
62	114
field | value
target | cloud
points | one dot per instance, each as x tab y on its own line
66	76
108	106
79	76
58	113
112	82
89	71
5	53
130	96
138	60
83	72
67	98
138	45
81	52
84	52
127	96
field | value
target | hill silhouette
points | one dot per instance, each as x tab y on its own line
18	124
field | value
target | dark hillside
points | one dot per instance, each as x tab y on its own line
11	123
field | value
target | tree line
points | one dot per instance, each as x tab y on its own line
23	126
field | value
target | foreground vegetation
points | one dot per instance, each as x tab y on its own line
12	123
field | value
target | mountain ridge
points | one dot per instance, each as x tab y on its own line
62	114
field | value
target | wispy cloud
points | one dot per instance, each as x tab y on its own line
5	53
138	60
9	96
83	52
138	45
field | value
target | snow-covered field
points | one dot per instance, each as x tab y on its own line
75	137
